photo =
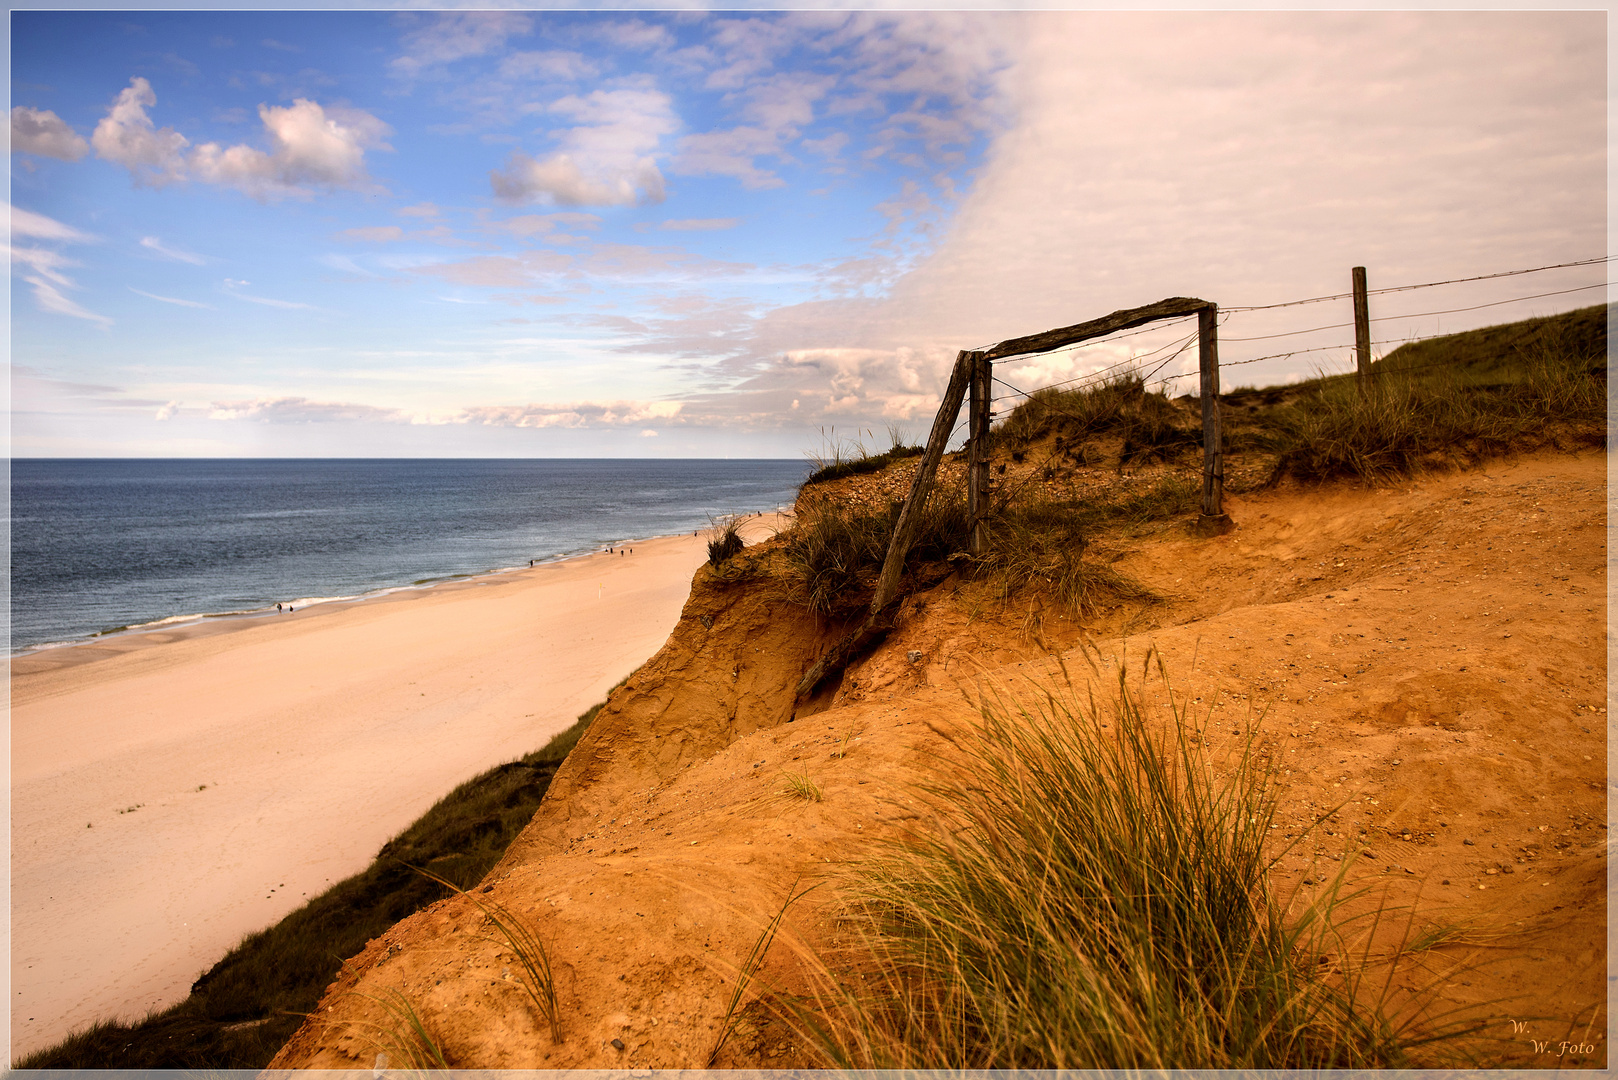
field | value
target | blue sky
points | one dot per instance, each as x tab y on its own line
705	234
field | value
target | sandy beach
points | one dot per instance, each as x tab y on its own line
175	790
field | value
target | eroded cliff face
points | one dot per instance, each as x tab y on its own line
1426	659
729	669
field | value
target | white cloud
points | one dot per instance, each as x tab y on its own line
45	263
777	108
47	277
1184	154
636	35
561	180
42	132
421	210
152	243
28	223
500	271
301	410
374	234
310	144
648	433
231	286
170	299
605	159
127	137
542	224
553	65
699	224
457	36
575	415
49	298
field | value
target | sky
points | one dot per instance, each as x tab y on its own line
747	234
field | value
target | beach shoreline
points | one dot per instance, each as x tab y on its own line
234	619
174	789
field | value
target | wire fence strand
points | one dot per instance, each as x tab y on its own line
1422	285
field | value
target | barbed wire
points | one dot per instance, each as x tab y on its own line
1179	345
1423	285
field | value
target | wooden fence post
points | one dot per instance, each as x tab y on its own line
877	622
977	468
1213	454
1362	330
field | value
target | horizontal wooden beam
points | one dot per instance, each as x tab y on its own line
1173	307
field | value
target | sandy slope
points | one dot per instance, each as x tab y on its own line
174	791
1428	660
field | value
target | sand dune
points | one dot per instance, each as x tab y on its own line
175	790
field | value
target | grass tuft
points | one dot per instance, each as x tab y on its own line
401	1041
1151	426
725	540
537	980
798	785
1094	894
748	970
837	459
836	550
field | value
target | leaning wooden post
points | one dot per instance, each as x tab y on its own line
977	468
1214	518
904	534
1362	330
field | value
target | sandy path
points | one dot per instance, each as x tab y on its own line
174	791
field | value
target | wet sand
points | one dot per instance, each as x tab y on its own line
175	790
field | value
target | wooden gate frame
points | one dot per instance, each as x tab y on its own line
973	374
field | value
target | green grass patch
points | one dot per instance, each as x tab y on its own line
245	1008
1496	355
854	466
1092	891
1151	426
1445	406
838	459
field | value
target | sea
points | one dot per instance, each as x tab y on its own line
107	546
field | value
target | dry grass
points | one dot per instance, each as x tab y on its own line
537	980
1093	893
835	551
799	786
724	539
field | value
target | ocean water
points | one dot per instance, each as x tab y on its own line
99	545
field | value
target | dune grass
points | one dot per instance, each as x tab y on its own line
800	786
1430	413
836	549
402	1041
245	1008
1093	892
1151	426
1448	401
1451	400
838	459
724	539
537	979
